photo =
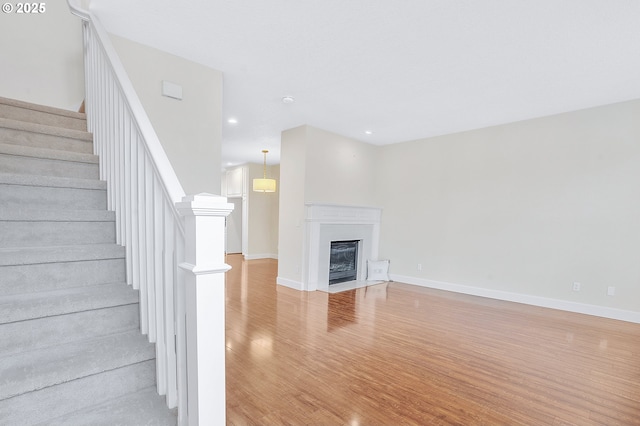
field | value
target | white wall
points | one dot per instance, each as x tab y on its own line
339	170
525	208
321	167
41	57
234	227
274	224
262	215
190	130
293	150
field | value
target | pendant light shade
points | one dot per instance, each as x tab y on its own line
264	184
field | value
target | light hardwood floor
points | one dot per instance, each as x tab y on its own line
396	354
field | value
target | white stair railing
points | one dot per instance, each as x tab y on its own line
174	243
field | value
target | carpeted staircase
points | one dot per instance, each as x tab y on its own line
71	352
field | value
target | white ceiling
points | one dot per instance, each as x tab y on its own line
403	69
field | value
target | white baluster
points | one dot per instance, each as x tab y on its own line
135	224
126	148
181	331
150	255
102	116
109	143
158	238
169	304
142	241
117	147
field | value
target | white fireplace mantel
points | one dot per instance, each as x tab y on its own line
333	222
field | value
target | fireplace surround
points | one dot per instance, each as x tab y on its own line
325	223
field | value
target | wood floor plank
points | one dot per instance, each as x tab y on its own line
396	354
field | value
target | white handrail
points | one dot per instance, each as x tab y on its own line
169	253
169	178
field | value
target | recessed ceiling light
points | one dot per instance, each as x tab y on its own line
368	132
232	121
288	100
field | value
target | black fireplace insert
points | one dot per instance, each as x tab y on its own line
343	261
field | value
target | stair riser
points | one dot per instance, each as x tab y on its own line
145	407
48	167
41	406
43	140
61	364
55	276
41	117
66	301
50	142
38	333
17	196
35	234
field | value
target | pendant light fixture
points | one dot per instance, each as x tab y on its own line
264	184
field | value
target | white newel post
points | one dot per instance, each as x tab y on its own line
205	269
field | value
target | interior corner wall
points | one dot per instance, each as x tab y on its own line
525	208
42	59
318	166
293	148
190	130
339	170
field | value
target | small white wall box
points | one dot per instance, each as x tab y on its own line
171	90
377	270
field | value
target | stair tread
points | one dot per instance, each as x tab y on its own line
51	181
39	215
45	367
39	407
27	126
142	407
26	306
43	108
54	254
48	154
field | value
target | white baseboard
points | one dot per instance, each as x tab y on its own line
260	256
296	285
564	305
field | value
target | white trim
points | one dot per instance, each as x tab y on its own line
342	214
260	256
204	204
80	10
563	305
218	268
334	222
296	285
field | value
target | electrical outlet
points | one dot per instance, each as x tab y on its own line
419	266
611	291
576	286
